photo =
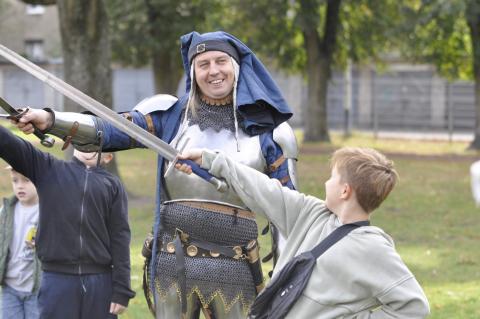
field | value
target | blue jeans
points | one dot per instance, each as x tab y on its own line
64	296
18	305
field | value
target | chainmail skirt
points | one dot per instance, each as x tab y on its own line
207	277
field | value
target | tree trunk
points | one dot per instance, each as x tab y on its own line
86	49
318	70
319	60
86	52
166	71
473	19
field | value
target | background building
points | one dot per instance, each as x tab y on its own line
405	97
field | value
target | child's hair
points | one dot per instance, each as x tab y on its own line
370	174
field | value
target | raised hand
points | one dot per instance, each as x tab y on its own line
40	118
194	154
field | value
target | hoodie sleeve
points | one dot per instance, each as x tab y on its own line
405	300
261	194
120	247
22	155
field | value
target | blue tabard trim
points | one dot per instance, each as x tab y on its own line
170	121
272	151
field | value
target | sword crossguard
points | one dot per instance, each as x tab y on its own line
219	184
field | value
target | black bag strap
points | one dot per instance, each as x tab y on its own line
284	289
335	236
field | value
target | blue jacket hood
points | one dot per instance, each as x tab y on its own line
259	100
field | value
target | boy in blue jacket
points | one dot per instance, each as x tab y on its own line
83	236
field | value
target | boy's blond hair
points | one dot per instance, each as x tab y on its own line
370	174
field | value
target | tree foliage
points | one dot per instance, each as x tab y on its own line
147	32
313	37
446	33
366	29
436	32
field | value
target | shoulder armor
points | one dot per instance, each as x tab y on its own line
283	135
159	102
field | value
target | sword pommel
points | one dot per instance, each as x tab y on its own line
220	185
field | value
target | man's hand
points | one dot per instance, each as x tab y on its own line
117	309
194	154
40	118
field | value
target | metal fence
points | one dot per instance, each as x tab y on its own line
408	100
404	99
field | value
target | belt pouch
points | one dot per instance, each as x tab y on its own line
254	262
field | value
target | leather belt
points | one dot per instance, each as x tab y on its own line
199	248
192	250
218	208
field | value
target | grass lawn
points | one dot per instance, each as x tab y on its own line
431	215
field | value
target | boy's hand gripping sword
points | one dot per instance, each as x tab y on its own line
134	131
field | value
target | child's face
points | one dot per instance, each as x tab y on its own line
24	189
334	188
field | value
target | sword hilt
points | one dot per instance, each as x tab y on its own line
220	185
45	140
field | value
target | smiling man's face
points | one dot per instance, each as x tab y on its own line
214	74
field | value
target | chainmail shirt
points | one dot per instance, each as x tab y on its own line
207	277
214	117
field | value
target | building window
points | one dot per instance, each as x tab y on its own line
34	50
35	9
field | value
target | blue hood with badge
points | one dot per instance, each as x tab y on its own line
259	100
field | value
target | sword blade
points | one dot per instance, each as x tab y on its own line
134	131
7	107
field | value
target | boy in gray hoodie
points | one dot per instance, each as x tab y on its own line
361	276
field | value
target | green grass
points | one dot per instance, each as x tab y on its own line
430	215
365	139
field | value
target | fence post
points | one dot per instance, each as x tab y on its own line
450	111
374	106
347	100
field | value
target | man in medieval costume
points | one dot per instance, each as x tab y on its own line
203	256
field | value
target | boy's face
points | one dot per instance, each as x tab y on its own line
90	159
24	189
334	189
